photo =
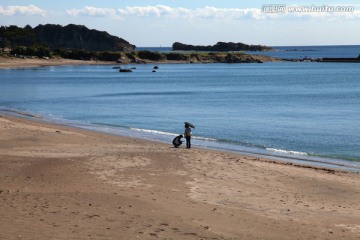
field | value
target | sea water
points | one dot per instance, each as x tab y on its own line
304	112
299	52
295	52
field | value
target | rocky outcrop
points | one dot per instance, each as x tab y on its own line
155	57
230	58
220	47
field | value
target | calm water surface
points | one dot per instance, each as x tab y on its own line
304	112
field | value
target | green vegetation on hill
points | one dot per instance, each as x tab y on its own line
56	36
13	36
79	37
87	55
154	56
38	51
80	43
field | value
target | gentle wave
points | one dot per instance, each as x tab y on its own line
286	151
153	131
170	134
205	138
279	151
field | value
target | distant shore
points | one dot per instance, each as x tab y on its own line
12	62
15	62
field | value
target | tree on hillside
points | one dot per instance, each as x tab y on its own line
14	36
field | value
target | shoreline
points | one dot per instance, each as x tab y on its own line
65	182
306	161
13	62
319	163
249	155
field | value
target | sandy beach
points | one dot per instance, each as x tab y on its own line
58	182
12	62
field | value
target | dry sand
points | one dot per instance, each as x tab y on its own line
59	182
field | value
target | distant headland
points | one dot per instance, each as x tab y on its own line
53	36
77	42
220	47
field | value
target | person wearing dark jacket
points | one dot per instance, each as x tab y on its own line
187	135
177	141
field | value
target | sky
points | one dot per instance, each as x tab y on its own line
154	23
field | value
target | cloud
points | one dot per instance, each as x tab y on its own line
92	12
21	10
231	13
166	11
206	12
161	11
156	11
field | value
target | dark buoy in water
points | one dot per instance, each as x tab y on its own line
125	70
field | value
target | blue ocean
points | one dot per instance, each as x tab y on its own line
302	112
295	52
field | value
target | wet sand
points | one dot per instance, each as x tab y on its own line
59	182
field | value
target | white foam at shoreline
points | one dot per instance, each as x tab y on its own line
170	134
153	131
286	152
